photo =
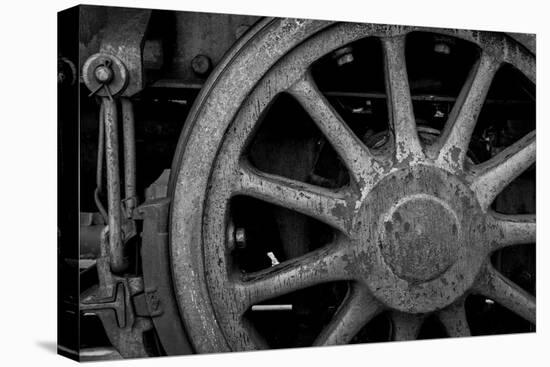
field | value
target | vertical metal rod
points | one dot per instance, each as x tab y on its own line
118	262
100	159
100	148
128	133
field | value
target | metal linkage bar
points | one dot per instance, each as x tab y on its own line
128	133
116	250
106	76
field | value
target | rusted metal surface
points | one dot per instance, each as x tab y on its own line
526	39
192	285
454	320
139	37
397	260
406	326
160	299
105	75
357	309
99	165
125	38
129	138
400	109
209	35
463	117
111	301
116	245
493	176
497	287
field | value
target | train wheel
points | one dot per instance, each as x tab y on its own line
412	230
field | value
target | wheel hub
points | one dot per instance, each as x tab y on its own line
422	251
420	235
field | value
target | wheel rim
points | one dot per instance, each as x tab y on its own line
383	267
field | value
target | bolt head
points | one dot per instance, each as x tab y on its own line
103	74
201	65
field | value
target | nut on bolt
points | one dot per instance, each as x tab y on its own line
103	74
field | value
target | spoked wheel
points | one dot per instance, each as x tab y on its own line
413	229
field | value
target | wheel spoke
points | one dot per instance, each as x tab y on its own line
330	263
354	154
320	203
497	287
357	309
494	175
456	136
454	320
400	108
406	326
245	336
513	230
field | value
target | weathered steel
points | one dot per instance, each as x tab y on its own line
129	148
454	320
210	35
497	287
157	276
316	202
99	166
420	263
494	175
357	309
456	136
399	100
125	39
410	264
111	301
317	267
94	74
116	245
362	165
513	230
405	326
